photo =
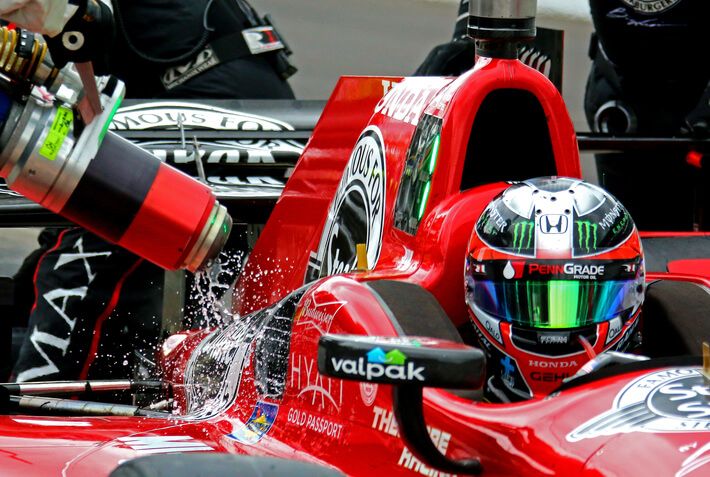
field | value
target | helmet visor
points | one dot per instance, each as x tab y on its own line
555	304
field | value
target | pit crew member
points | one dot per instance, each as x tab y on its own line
650	77
95	309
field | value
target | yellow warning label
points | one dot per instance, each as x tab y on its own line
57	133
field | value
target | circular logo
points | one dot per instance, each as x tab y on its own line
683	399
670	400
651	6
368	393
356	214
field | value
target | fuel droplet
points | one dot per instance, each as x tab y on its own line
509	271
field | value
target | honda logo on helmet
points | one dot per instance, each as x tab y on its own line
553	224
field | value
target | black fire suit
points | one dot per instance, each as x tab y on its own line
650	77
454	57
96	308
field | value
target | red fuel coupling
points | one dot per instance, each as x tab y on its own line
130	197
108	185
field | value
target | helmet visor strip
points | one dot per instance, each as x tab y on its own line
555	301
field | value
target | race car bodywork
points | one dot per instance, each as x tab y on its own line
368	238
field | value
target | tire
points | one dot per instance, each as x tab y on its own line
219	465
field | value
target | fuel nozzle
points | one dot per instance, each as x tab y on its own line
103	182
498	26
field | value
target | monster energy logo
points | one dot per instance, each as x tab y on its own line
587	232
492	222
618	228
484	222
523	234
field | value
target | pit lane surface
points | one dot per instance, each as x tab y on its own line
15	245
391	37
331	38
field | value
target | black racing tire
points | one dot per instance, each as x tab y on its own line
219	465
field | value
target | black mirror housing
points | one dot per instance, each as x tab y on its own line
409	364
426	362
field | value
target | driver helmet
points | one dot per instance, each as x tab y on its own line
554	276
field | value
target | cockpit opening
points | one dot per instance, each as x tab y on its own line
510	140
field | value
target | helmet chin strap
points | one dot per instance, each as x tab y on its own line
587	347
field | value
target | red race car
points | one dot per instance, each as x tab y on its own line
350	350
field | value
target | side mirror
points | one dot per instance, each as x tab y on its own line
408	364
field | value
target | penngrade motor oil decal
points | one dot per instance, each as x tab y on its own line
672	400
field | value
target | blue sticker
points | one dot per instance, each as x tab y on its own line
376	355
259	424
508	370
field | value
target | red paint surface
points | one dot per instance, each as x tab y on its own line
516	439
510	439
170	219
698	266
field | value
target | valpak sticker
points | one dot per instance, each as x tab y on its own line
393	365
673	400
357	213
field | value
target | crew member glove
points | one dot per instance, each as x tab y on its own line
40	16
697	123
87	36
449	59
